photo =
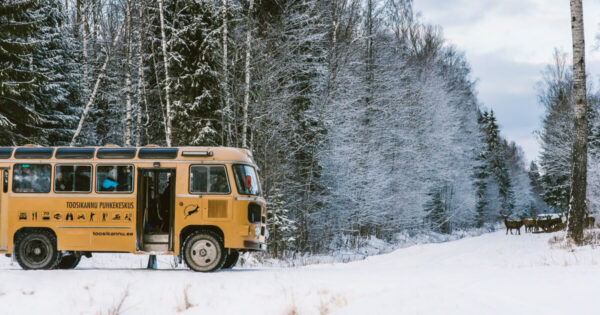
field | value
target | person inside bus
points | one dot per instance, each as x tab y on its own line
23	182
218	183
82	179
164	206
59	183
124	179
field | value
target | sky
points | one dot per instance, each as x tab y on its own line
509	43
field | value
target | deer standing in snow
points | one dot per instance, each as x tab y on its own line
589	222
530	224
510	225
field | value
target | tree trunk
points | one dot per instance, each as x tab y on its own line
579	170
90	102
141	83
247	70
167	80
84	40
128	114
225	124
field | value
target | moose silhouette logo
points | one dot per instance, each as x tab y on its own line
190	209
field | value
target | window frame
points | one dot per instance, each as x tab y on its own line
259	194
12	188
115	192
207	193
73	192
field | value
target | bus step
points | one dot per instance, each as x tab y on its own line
157	248
156	238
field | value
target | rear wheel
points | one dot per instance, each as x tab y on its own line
232	259
69	261
36	250
203	251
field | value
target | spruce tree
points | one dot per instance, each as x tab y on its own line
19	79
54	56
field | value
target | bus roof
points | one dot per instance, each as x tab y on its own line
147	153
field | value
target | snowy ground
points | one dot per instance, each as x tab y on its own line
489	274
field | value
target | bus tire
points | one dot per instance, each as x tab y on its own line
203	251
36	250
232	259
69	261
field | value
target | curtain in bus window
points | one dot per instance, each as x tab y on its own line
114	178
73	178
246	180
209	179
32	178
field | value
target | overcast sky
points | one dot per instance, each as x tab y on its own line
508	44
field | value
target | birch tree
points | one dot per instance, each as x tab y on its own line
128	107
247	76
168	127
101	74
577	199
141	85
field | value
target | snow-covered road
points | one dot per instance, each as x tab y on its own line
490	274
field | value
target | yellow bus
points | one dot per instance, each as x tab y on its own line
203	204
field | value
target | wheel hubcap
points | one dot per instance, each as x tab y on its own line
204	253
36	251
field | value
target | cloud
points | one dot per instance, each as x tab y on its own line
508	44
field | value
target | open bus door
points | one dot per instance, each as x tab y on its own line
3	209
155	216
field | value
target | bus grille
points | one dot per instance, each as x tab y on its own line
217	208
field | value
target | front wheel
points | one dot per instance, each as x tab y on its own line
203	251
36	250
232	259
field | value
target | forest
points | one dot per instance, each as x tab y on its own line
364	121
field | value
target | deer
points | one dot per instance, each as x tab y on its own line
510	225
530	224
589	222
549	224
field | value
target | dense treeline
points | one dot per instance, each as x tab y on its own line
556	137
363	120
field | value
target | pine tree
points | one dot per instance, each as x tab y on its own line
281	228
19	80
194	42
54	56
495	155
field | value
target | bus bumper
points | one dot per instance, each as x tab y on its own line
251	245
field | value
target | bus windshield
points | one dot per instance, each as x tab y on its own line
246	180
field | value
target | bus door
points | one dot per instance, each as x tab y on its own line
3	209
155	215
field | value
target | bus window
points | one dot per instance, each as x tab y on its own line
73	178
246	180
209	179
31	178
114	178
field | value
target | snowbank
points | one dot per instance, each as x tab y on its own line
489	274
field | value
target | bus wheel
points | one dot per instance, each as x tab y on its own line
203	251
232	259
69	261
36	250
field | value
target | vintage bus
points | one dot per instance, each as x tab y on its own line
203	204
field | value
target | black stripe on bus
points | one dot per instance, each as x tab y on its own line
116	153
74	153
158	153
6	153
33	153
